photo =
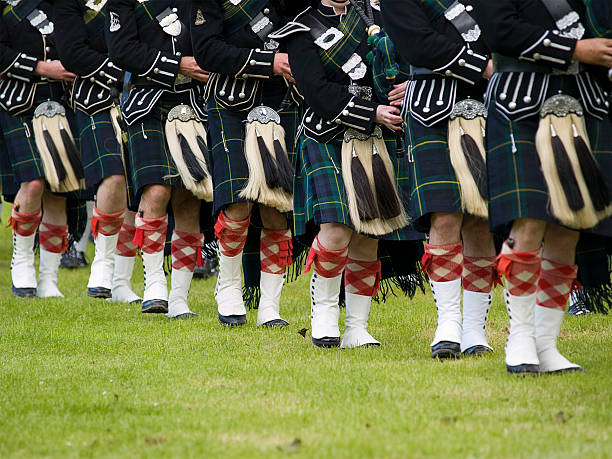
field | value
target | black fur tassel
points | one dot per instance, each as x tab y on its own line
73	154
365	198
386	195
195	170
285	170
57	162
475	163
566	173
595	181
269	164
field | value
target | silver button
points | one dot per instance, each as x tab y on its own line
48	49
527	99
537	56
16	65
319	126
351	104
24	55
163	59
100	96
338	121
174	10
503	96
109	65
253	62
266	11
102	73
469	8
546	42
230	98
92	79
448	73
242	95
345	112
512	105
461	62
155	70
470	52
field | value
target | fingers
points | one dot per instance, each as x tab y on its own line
69	76
290	79
397	102
394	119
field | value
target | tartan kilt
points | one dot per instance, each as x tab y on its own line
318	187
149	157
516	185
9	187
100	152
226	130
434	186
25	161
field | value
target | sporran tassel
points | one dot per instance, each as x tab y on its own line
579	197
264	147
58	152
185	137
366	203
467	154
386	194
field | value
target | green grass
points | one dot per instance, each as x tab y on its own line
81	377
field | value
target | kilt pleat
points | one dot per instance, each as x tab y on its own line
434	186
100	151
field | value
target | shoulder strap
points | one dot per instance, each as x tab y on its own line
14	14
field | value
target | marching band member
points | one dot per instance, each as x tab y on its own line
446	119
37	130
250	84
347	183
549	177
94	95
167	141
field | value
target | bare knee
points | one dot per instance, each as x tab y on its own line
477	239
32	191
155	200
560	244
363	248
239	211
335	236
115	182
445	228
527	234
272	219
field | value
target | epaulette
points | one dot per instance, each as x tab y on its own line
292	27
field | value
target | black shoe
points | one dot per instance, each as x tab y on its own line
478	350
73	259
232	321
185	316
326	342
99	292
523	369
446	350
276	323
27	292
155	307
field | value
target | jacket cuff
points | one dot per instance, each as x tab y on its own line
259	64
164	69
22	68
551	49
358	113
467	66
107	75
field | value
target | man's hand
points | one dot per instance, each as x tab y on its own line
595	51
189	67
389	117
54	70
488	73
396	95
281	66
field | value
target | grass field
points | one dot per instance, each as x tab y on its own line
87	378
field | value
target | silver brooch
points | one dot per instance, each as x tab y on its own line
182	112
351	134
264	115
468	109
561	105
49	109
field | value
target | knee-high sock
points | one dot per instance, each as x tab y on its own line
443	263
520	269
107	224
275	250
479	274
125	243
231	234
53	238
24	224
555	284
362	277
150	234
327	263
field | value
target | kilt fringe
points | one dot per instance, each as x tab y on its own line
467	154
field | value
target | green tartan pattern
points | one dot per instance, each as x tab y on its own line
353	30
149	157
16	14
9	187
598	18
100	152
319	196
439	6
237	16
25	162
516	185
95	22
434	186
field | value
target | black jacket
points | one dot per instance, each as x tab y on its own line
82	50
